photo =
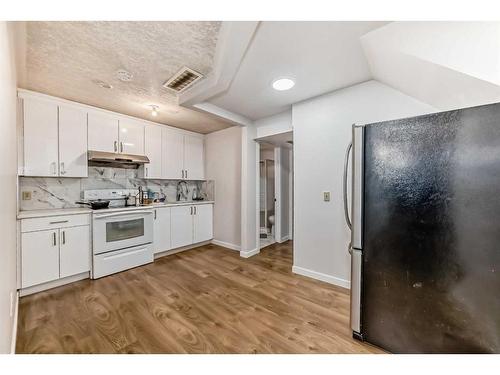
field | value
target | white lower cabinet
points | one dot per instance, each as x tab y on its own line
53	250
40	257
162	240
203	223
191	224
182	226
74	251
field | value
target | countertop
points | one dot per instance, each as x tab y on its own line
77	211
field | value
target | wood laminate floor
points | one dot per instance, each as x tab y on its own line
205	300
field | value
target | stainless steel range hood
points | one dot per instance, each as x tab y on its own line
111	159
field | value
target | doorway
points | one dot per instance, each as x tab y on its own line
275	185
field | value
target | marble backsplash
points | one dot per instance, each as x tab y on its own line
54	192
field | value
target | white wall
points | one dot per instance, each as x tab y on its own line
8	184
249	191
322	130
280	123
223	164
284	198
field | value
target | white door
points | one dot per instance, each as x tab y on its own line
74	250
152	149
131	137
162	230
40	138
173	154
182	226
72	142
39	257
102	132
203	222
193	157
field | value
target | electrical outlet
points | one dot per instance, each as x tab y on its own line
26	195
326	196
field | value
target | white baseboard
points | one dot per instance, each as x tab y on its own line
226	245
165	253
54	284
13	339
283	239
250	253
322	277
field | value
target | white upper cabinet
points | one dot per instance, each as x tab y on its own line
131	137
173	154
193	158
40	138
152	149
72	142
103	132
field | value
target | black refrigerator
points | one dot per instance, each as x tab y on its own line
425	224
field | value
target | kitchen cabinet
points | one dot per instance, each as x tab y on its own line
183	156
110	134
53	248
55	139
72	142
39	257
153	150
103	132
131	138
40	138
182	226
74	254
202	223
193	158
191	224
173	154
162	231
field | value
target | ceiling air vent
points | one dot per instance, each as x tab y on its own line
183	79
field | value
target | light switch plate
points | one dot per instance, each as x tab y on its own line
326	196
26	195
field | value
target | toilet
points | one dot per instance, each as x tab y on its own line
271	221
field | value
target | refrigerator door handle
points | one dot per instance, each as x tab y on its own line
346	205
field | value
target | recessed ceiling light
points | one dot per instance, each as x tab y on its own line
282	84
102	84
154	110
123	75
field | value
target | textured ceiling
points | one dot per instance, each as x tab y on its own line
64	58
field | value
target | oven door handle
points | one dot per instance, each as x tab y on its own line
122	214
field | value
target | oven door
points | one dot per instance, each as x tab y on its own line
120	230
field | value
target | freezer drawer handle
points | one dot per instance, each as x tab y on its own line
346	206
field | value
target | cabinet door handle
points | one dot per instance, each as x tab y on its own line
155	214
195	210
63	237
54	239
121	146
186	173
59	222
54	167
146	171
116	146
63	171
191	209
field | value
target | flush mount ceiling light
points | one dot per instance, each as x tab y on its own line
282	84
123	75
102	84
154	110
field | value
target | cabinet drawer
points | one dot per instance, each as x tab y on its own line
44	223
121	260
